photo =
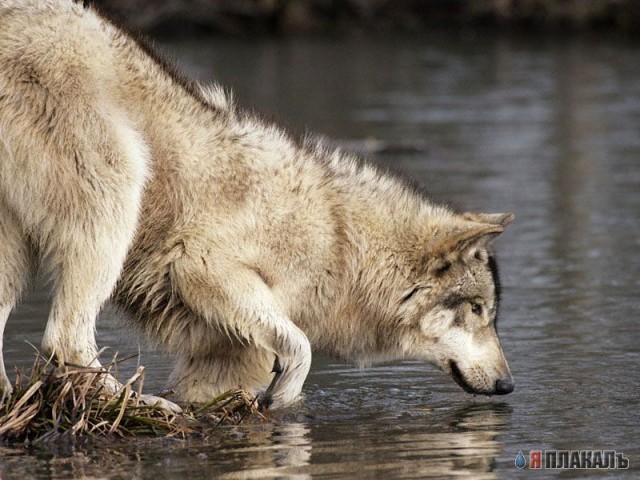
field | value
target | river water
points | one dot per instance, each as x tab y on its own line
549	129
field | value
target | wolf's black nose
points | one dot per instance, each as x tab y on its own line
504	386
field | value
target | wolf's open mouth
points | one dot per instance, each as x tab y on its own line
456	374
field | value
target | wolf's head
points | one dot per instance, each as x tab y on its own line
450	306
431	292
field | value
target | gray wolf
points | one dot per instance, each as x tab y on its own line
231	244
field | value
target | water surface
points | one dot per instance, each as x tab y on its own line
547	129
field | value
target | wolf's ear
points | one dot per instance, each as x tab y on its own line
473	236
502	219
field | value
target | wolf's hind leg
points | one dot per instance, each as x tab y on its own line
16	270
244	308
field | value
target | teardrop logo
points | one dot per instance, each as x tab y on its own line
520	460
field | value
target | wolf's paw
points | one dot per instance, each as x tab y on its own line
169	407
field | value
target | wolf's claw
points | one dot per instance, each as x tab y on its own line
277	368
266	399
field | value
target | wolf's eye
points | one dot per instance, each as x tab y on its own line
411	293
476	308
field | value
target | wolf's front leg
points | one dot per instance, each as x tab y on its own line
239	303
84	278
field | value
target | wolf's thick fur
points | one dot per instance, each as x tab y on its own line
231	244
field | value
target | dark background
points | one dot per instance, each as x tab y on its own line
356	17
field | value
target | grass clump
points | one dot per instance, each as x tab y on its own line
53	401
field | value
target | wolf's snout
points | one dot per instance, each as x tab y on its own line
471	381
504	387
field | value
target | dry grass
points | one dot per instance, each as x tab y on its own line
50	402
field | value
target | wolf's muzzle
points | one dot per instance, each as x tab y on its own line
501	387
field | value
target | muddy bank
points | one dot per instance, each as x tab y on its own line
353	17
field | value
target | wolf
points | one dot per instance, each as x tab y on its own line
233	245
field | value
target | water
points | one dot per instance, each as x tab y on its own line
549	129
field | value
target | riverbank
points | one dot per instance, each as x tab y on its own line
356	17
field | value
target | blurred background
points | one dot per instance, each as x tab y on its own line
353	17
